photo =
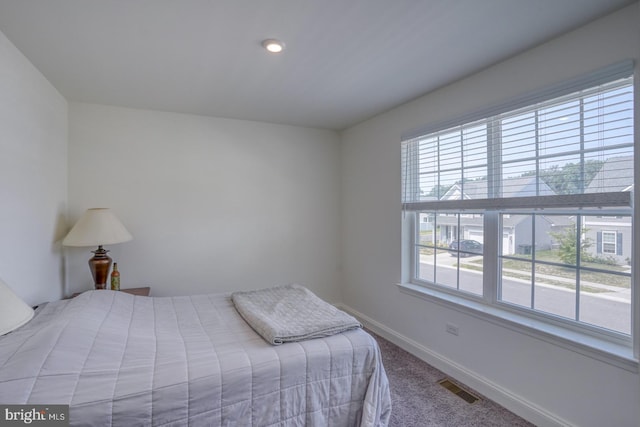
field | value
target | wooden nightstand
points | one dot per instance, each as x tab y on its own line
143	291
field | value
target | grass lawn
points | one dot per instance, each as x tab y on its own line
560	272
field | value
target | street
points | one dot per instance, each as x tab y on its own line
609	310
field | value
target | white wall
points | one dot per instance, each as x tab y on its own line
33	178
213	204
548	384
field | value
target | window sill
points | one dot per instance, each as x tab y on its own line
614	354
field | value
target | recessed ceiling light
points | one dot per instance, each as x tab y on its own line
273	45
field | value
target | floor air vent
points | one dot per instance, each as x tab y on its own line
453	388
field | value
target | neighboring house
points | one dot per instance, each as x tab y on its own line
610	236
517	229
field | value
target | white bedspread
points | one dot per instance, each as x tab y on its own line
125	360
291	313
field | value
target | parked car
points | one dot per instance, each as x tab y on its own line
465	247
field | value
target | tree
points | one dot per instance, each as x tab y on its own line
567	241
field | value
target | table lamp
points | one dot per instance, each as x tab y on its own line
98	227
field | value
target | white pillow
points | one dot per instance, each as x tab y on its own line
13	311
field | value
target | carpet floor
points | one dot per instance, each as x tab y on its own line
418	400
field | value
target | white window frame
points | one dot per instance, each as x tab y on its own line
614	242
611	348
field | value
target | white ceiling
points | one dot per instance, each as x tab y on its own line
345	61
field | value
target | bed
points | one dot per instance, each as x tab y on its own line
125	360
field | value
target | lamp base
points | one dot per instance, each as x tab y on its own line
99	266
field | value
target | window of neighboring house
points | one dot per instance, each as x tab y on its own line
609	242
517	198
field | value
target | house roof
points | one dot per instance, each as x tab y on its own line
616	174
512	187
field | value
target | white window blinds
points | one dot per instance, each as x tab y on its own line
567	146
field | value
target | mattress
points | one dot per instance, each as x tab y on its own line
125	360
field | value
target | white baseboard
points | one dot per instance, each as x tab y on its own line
516	404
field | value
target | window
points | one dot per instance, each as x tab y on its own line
608	242
529	205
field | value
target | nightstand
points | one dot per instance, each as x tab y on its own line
143	291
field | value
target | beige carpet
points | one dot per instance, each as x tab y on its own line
418	399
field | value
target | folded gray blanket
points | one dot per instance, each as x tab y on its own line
291	313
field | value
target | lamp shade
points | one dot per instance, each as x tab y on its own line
13	311
97	227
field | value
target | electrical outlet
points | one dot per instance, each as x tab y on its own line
452	329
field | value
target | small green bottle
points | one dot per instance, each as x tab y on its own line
115	278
